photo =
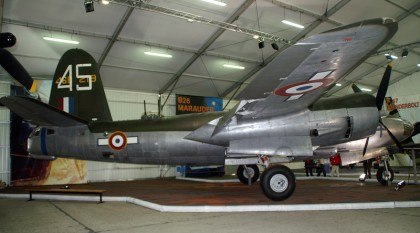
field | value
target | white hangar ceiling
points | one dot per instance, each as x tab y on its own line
201	37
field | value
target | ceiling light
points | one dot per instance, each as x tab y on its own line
418	65
366	89
158	54
215	2
105	2
256	37
60	40
338	84
292	24
234	66
390	56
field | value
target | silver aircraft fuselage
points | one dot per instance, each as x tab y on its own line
172	141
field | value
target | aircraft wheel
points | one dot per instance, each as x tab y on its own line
383	177
250	171
278	182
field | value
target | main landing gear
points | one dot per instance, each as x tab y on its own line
277	181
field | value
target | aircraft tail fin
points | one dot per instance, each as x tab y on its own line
77	87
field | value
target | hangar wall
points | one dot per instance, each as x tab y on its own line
4	139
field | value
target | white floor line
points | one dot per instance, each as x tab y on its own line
236	208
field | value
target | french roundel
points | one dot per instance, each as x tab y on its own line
117	140
303	87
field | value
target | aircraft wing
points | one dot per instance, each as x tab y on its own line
301	74
39	113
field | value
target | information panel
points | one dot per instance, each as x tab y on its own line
195	104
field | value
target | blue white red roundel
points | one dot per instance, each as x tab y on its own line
303	87
117	140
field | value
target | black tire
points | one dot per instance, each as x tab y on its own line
278	182
243	174
380	175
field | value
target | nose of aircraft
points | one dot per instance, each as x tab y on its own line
401	129
408	128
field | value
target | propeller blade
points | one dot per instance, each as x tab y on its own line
15	69
416	129
400	147
355	88
366	145
383	87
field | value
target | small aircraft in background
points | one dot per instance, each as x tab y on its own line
280	117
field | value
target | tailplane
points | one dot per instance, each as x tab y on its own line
77	87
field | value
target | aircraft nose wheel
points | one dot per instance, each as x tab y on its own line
278	182
247	173
383	176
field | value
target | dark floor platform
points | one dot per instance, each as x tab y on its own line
171	191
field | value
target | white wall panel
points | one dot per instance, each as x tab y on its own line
5	136
406	93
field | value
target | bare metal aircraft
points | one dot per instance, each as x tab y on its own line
280	116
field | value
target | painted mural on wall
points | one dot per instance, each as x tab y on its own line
26	171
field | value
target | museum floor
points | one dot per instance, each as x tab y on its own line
18	215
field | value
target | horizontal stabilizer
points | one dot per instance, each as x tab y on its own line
39	113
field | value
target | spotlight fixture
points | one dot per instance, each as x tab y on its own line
60	40
362	177
261	44
296	25
274	45
404	53
400	185
89	6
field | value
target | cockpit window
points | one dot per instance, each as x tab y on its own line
37	132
